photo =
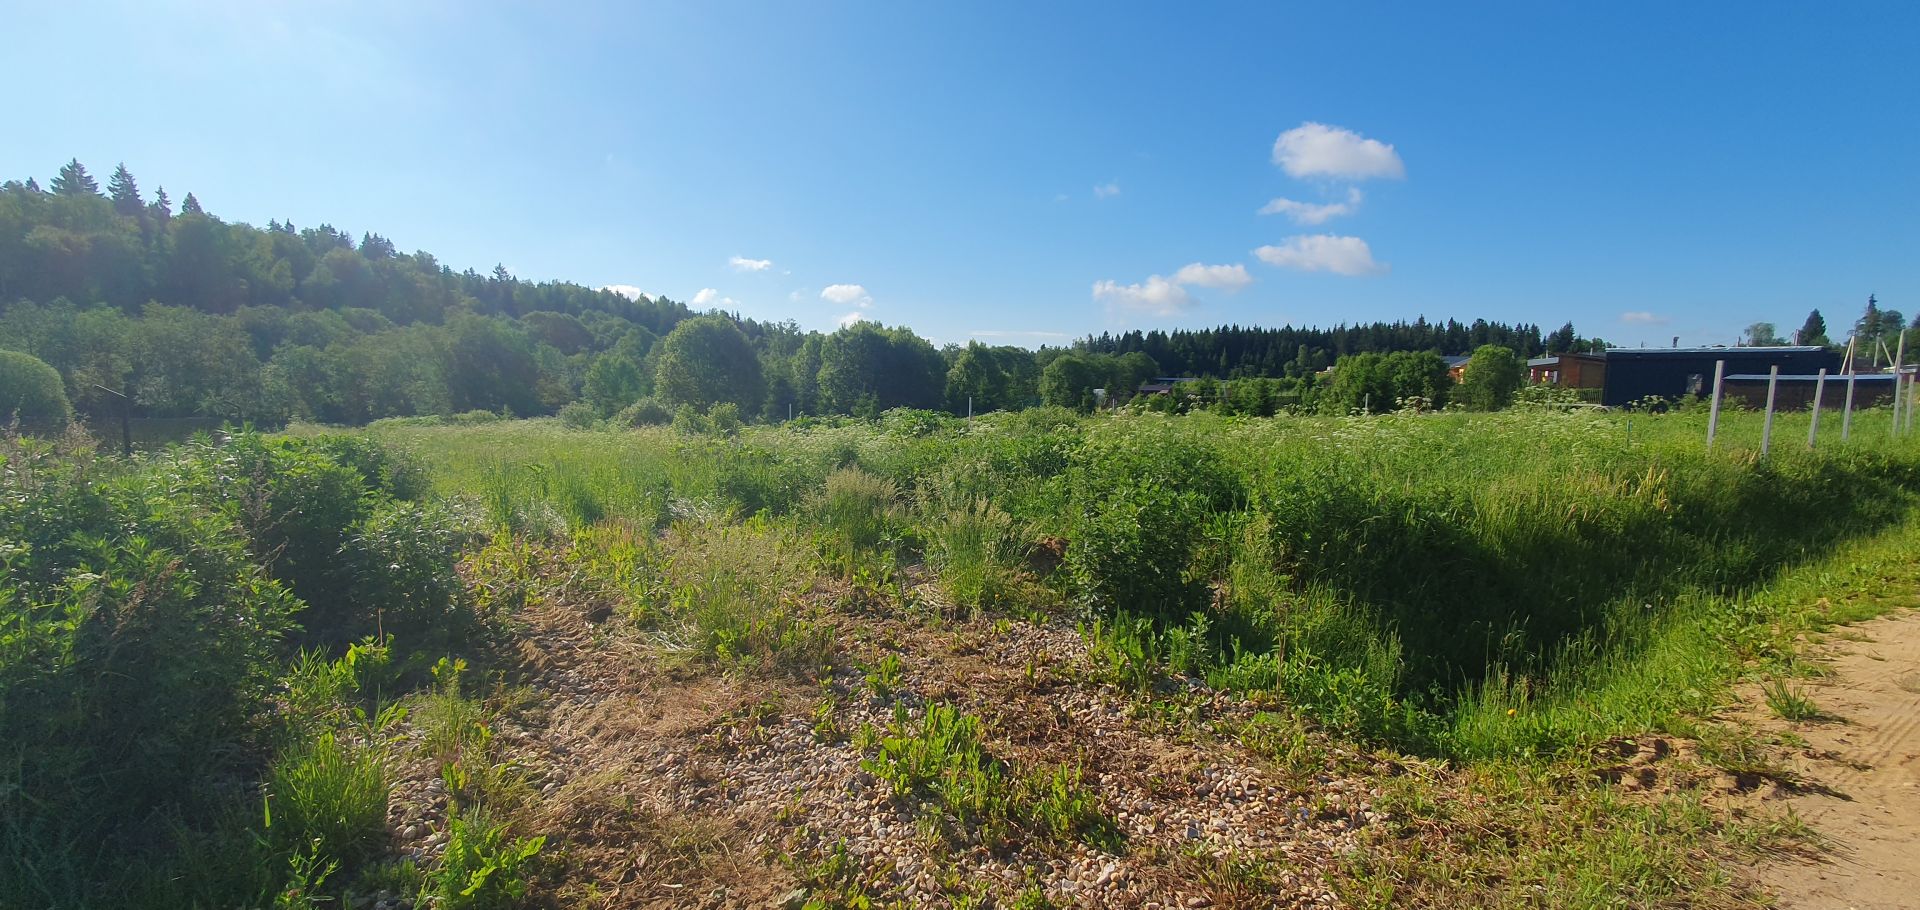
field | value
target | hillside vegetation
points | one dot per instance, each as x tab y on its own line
192	316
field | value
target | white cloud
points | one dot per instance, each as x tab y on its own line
851	318
1228	277
743	264
1156	295
1318	150
626	290
1314	213
1106	190
1322	253
708	297
847	295
1642	317
1165	296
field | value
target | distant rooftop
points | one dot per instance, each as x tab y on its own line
1717	349
1811	377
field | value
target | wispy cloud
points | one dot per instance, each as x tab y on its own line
1323	253
1156	295
847	295
708	297
1226	277
1106	190
851	318
743	264
1318	150
1164	296
1642	317
626	290
1314	213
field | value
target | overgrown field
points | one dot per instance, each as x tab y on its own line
1409	578
1027	660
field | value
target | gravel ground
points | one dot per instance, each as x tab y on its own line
663	787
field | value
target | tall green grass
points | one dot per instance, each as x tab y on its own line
1412	577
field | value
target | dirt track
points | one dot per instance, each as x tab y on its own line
1862	766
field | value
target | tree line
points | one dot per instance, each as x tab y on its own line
178	313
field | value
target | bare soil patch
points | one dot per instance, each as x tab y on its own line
1859	774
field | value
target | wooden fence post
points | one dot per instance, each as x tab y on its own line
1819	398
1846	412
1713	412
1766	427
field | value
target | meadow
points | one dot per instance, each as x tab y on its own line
1412	577
1029	659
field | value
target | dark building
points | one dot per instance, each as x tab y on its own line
1636	373
1795	392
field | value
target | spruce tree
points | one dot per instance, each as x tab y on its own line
160	210
191	206
125	193
1814	330
73	180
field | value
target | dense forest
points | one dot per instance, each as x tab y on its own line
187	315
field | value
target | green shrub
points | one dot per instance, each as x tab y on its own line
382	468
31	390
298	508
723	418
647	412
579	415
1141	497
136	640
400	562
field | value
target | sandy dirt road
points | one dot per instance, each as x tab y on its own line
1862	770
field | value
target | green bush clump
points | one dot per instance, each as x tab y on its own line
31	390
400	562
137	639
1141	496
647	412
324	517
579	415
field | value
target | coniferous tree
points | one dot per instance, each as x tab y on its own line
125	193
191	206
1814	330
73	180
1562	339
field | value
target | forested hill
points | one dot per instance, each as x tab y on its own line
189	315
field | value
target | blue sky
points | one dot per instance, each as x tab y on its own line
1027	172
